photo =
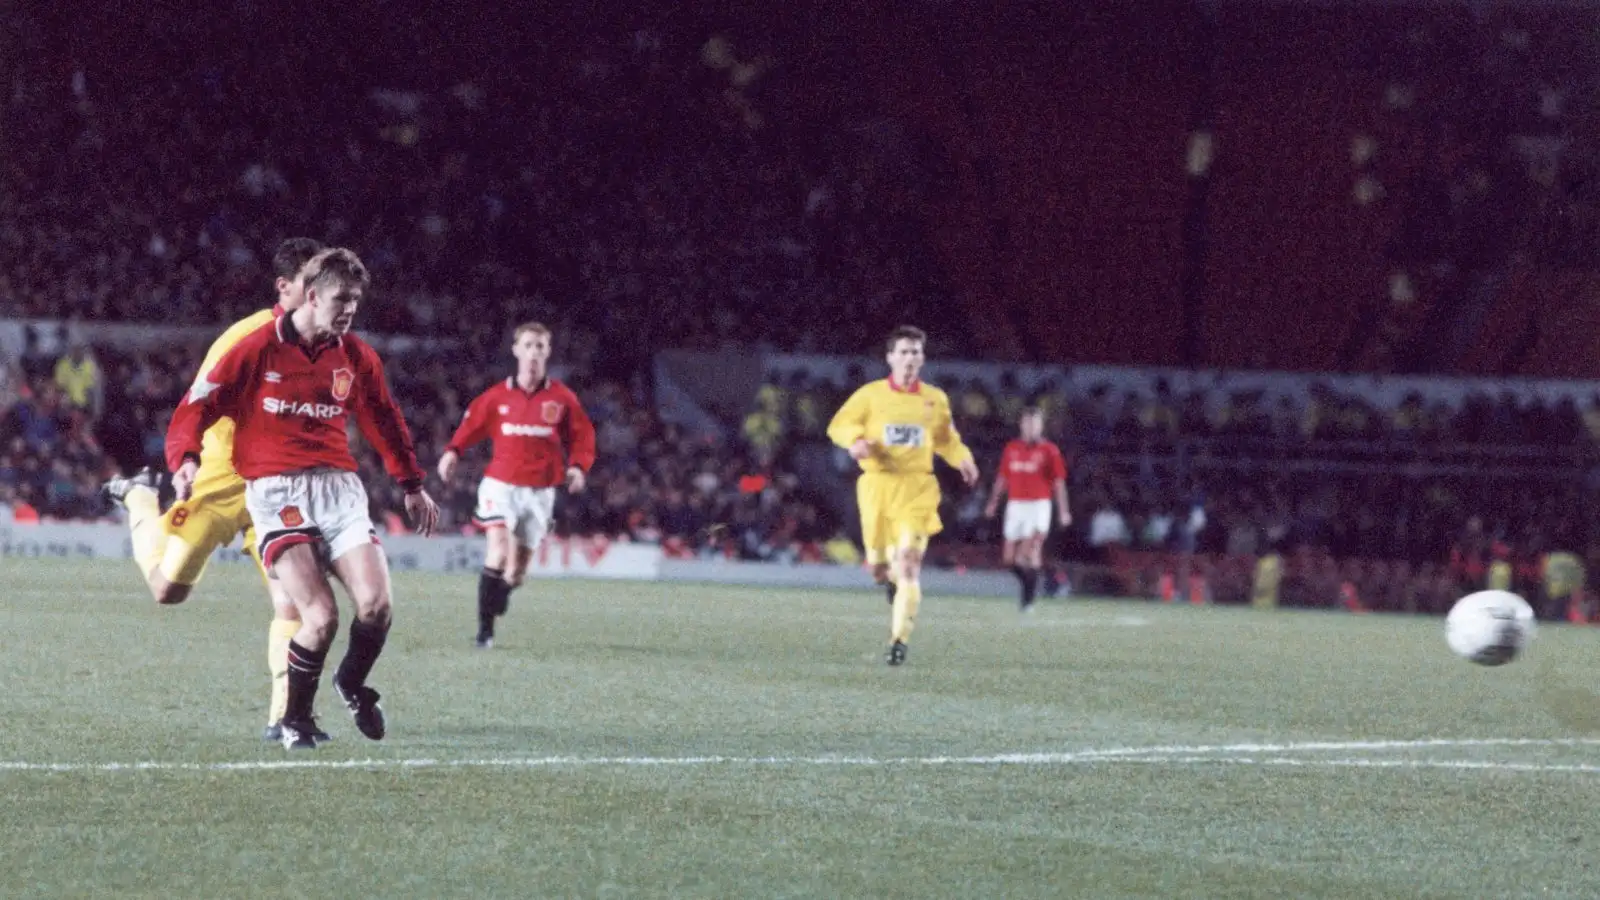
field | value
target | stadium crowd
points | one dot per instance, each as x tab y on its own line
614	188
1235	476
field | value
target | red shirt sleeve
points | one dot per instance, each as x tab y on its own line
382	423
213	395
475	426
1058	465
580	434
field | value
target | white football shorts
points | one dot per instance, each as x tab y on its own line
1026	519
316	506
526	511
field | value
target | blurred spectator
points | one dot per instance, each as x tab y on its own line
77	374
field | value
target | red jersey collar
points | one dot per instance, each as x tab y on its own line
278	310
544	383
915	387
288	334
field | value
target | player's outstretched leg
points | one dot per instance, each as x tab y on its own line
300	571
139	493
365	572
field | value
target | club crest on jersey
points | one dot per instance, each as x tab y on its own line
343	381
551	411
290	517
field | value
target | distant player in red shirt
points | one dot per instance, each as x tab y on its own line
291	387
1031	471
542	437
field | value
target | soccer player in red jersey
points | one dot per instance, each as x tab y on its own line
290	387
541	437
1031	470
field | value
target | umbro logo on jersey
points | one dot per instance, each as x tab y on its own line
274	378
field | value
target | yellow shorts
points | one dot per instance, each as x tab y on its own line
205	523
897	511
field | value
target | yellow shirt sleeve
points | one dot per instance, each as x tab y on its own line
946	439
850	422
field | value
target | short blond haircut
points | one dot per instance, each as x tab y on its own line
529	328
337	263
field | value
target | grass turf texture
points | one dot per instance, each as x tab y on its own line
840	776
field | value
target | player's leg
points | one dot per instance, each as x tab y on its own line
138	494
1030	563
494	507
190	532
359	561
1025	525
493	592
285	622
916	500
365	572
518	566
875	533
528	520
169	576
1009	551
907	593
285	519
1015	549
298	569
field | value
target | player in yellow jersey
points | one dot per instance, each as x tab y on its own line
893	427
172	549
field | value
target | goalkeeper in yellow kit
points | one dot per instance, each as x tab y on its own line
893	427
172	549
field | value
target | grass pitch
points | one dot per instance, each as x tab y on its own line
649	740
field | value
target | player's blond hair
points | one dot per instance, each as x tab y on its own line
337	263
905	333
529	328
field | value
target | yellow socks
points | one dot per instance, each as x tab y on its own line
281	632
144	527
907	597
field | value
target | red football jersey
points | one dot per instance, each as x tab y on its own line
536	433
291	406
1031	469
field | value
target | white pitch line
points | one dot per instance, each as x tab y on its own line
1337	746
1236	754
1361	763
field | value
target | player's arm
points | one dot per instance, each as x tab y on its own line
948	445
474	429
383	424
215	393
580	444
848	429
1058	484
381	421
992	508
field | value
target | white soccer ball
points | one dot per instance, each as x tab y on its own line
1489	627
